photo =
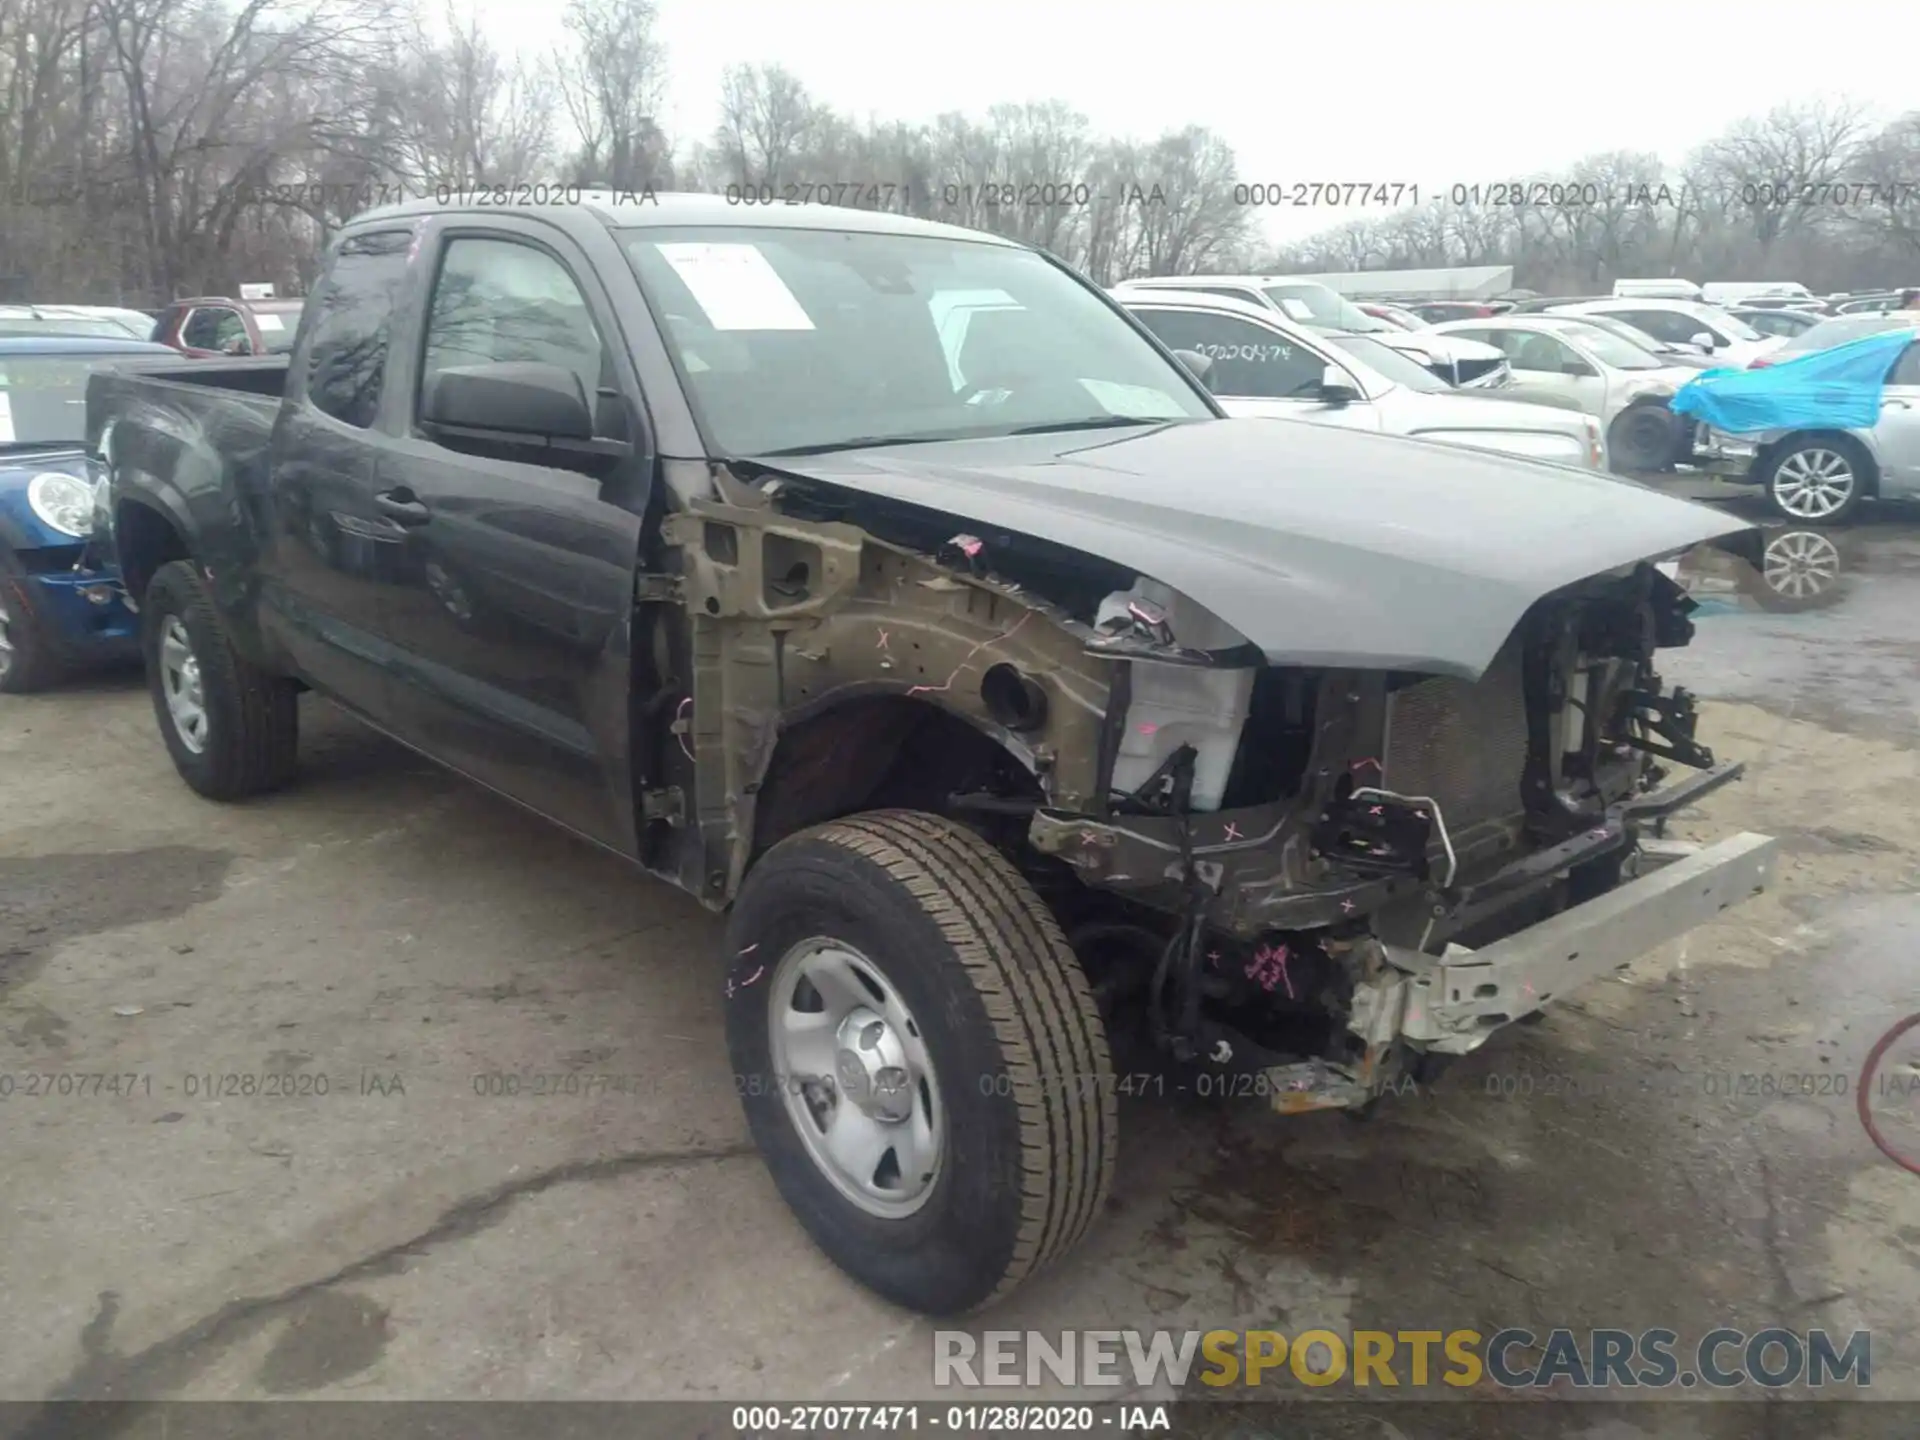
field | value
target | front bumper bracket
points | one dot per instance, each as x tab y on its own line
1457	1000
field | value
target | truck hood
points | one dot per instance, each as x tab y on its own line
1323	546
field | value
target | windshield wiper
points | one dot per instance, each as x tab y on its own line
858	442
1092	422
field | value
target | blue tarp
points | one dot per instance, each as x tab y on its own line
1837	389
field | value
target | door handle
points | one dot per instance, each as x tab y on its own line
397	506
1895	405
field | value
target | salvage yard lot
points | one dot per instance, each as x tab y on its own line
413	1232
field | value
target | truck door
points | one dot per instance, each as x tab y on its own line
330	549
511	619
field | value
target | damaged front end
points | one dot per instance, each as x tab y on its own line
1316	875
1405	863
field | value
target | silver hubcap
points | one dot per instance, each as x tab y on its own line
6	636
1801	564
1812	484
854	1072
180	683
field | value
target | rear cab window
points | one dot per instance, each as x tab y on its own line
346	356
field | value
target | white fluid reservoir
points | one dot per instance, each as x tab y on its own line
1175	705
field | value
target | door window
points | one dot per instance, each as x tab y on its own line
1906	370
503	301
1673	326
1545	354
1248	360
347	356
210	327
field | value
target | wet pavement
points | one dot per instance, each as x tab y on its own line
1676	1148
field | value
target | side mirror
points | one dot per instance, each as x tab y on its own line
520	398
1336	387
236	345
1577	368
1198	365
1704	341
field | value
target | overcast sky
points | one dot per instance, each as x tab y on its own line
1382	91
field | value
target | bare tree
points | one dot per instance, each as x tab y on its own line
473	117
766	124
613	82
1779	168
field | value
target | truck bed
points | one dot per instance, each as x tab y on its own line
201	429
264	375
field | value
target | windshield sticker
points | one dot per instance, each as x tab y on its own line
736	286
6	419
268	322
1296	309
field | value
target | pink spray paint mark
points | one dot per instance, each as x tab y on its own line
1269	968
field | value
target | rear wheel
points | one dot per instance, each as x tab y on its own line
29	660
231	727
1819	480
920	1058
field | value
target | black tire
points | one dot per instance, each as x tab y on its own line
252	716
1643	437
1780	466
30	660
1009	1022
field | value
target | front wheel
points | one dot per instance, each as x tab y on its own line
1819	480
1643	438
29	659
231	727
920	1058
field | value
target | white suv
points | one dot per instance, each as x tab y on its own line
1465	363
1683	322
1261	366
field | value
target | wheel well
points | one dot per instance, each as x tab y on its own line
144	540
879	752
1869	470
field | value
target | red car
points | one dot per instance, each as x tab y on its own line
1438	312
215	325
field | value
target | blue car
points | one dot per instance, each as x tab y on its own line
57	610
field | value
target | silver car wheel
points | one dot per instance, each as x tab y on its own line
1812	484
1801	564
180	683
6	636
854	1072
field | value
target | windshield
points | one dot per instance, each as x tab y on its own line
1829	333
1630	334
1401	319
277	328
1611	350
1729	324
43	398
1314	304
1390	364
808	340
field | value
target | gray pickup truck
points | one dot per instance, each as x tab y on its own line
888	587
